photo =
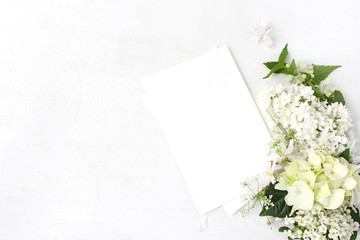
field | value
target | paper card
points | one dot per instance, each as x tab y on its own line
212	125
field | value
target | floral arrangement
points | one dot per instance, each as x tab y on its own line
312	183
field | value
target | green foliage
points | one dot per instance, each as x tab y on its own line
280	208
283	229
289	135
270	65
355	215
336	97
321	72
317	93
280	64
346	154
291	70
283	55
354	236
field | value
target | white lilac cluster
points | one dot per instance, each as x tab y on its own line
316	126
321	224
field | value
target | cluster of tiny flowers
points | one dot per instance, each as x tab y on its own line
248	206
303	69
267	202
317	126
248	198
321	224
277	143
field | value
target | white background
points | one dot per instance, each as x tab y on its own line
81	158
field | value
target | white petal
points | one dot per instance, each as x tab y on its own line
336	198
308	177
267	30
349	183
257	30
355	199
300	196
314	160
335	171
267	41
322	190
290	148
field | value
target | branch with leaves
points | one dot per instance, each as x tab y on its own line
320	73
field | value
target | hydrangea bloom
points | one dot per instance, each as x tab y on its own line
320	181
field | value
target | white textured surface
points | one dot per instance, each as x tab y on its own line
81	158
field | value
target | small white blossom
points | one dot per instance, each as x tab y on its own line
261	34
333	234
330	224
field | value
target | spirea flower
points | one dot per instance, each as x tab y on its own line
321	223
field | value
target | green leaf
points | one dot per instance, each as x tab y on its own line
321	72
280	208
355	215
291	70
318	93
353	237
283	55
336	97
346	154
270	65
283	229
279	65
276	68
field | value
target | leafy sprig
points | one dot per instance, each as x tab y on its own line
280	209
320	73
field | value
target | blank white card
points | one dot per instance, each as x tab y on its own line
212	125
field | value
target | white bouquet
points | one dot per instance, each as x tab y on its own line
312	182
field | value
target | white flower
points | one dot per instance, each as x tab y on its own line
334	169
261	34
349	183
315	160
308	219
300	196
326	88
333	234
322	228
354	226
322	223
334	200
317	126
